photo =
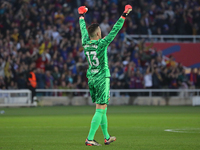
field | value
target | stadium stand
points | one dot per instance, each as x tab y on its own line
47	33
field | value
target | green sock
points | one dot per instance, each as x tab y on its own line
96	120
104	125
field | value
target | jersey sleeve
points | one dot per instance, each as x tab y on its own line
116	28
84	32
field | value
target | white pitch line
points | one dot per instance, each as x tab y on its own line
42	127
183	130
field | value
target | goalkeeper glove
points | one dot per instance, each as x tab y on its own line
128	9
82	10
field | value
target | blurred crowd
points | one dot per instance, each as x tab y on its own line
44	36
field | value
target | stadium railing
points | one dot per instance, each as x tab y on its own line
165	38
150	91
192	94
9	98
13	98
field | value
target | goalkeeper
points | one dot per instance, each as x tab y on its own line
98	73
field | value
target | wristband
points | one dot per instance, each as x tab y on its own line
124	15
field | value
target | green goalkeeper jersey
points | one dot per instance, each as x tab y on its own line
96	51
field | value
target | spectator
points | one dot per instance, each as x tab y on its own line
157	79
165	77
40	76
58	17
160	62
132	80
2	83
49	82
193	77
173	78
32	82
63	86
198	78
49	32
2	65
148	79
56	74
13	86
115	74
183	82
117	85
56	35
171	62
138	80
183	79
21	82
105	27
144	57
69	77
136	59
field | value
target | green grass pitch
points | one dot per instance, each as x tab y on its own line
66	128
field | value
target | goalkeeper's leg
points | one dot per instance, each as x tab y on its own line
96	120
104	125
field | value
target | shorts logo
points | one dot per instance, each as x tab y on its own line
94	71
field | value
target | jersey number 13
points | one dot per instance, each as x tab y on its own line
95	60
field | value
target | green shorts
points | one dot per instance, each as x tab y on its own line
99	90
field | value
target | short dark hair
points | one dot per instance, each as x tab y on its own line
92	28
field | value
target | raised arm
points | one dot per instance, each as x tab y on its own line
117	27
84	33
